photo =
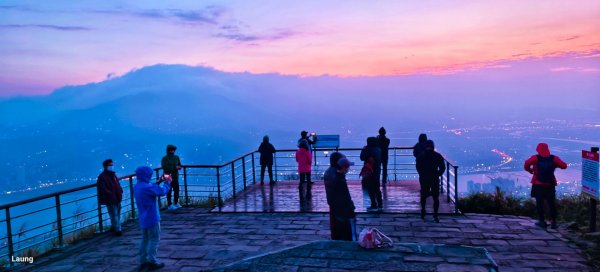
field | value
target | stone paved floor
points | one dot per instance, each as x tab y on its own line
194	239
398	196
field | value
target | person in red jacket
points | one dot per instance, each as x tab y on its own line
543	182
110	194
304	159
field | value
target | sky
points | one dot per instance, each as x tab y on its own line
45	45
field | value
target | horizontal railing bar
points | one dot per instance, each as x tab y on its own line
25	214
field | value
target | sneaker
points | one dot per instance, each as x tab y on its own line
436	219
542	224
154	266
372	209
422	214
172	208
380	209
177	205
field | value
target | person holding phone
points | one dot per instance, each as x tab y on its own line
304	137
171	165
146	197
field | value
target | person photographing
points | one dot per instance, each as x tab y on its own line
146	197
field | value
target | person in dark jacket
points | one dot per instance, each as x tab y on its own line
266	151
146	197
420	146
543	182
430	166
305	137
342	219
384	145
171	165
110	194
371	155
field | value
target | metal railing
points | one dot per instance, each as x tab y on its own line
71	212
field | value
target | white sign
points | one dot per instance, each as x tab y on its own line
589	174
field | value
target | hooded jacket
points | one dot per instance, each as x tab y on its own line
266	151
420	146
430	165
170	162
146	196
304	160
531	164
372	150
338	196
109	189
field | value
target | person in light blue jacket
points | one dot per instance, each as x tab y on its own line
146	198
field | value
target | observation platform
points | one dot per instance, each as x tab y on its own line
195	239
398	197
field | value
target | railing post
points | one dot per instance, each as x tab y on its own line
219	199
448	180
244	171
11	250
59	221
100	225
185	186
233	177
455	189
131	197
593	205
157	175
395	169
253	169
275	165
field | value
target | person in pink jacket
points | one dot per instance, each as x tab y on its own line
304	159
543	181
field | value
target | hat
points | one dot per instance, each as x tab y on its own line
429	144
382	131
344	162
303	133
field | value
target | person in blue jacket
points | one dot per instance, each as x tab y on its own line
146	198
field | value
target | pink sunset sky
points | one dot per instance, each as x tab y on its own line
49	44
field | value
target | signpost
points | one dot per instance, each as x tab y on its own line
590	184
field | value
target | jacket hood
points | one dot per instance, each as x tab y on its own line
144	173
371	141
543	149
422	138
171	147
266	139
382	131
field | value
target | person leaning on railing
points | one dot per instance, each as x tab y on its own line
266	151
146	198
110	194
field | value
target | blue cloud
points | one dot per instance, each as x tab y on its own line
50	27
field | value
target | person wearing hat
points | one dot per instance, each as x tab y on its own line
342	219
384	145
430	166
543	182
171	165
305	137
110	194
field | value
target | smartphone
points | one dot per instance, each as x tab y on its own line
313	133
166	176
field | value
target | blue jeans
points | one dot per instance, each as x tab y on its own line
149	246
114	212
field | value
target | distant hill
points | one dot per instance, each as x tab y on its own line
214	116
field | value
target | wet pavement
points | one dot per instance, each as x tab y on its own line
195	239
283	196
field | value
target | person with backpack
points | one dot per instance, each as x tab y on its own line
543	182
420	146
266	151
371	155
342	219
304	160
384	145
430	166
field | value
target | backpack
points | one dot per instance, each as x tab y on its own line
367	170
545	169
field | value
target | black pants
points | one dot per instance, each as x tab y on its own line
175	189
547	193
430	186
305	182
374	191
262	172
341	228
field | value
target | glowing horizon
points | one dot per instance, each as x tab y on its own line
49	45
